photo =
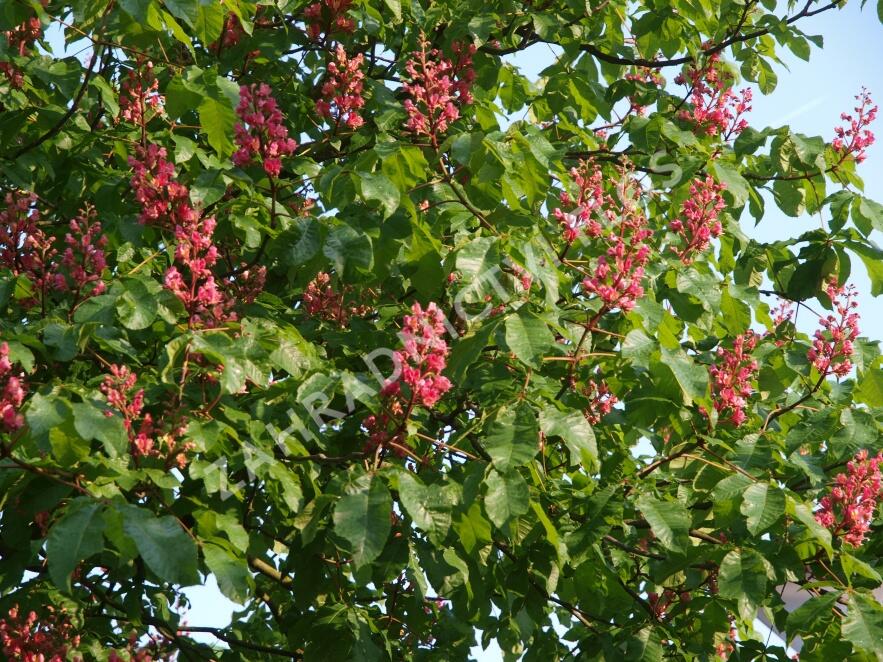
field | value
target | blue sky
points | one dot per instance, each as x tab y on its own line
810	97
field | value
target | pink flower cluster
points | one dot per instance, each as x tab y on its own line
590	199
13	394
856	137
732	376
19	40
120	390
849	508
31	640
437	87
166	202
342	91
26	250
419	365
699	218
163	200
138	93
261	134
716	108
832	344
617	275
601	401
322	301
232	32
83	259
328	16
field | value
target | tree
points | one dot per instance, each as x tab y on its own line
331	302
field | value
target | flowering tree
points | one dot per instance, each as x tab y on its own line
330	302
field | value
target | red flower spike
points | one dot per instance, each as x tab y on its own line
732	376
849	508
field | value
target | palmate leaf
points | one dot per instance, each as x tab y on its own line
361	517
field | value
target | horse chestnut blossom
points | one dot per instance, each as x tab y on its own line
261	135
166	202
437	87
418	381
19	41
832	344
856	136
698	222
715	108
590	199
119	387
732	376
140	92
83	259
13	394
30	639
342	91
323	302
849	508
617	275
601	401
328	16
163	200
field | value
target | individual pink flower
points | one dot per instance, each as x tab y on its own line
418	382
437	88
715	108
849	508
732	376
328	16
832	345
13	393
342	91
855	137
261	135
139	93
698	222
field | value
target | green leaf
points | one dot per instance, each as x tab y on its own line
729	176
512	437
576	432
863	624
867	214
507	497
528	337
805	516
186	10
806	618
165	547
361	517
231	571
217	119
870	386
76	536
763	504
348	249
692	377
428	505
669	521
91	423
137	307
744	577
378	187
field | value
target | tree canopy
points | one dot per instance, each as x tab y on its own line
328	300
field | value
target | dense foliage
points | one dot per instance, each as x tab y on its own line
328	300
